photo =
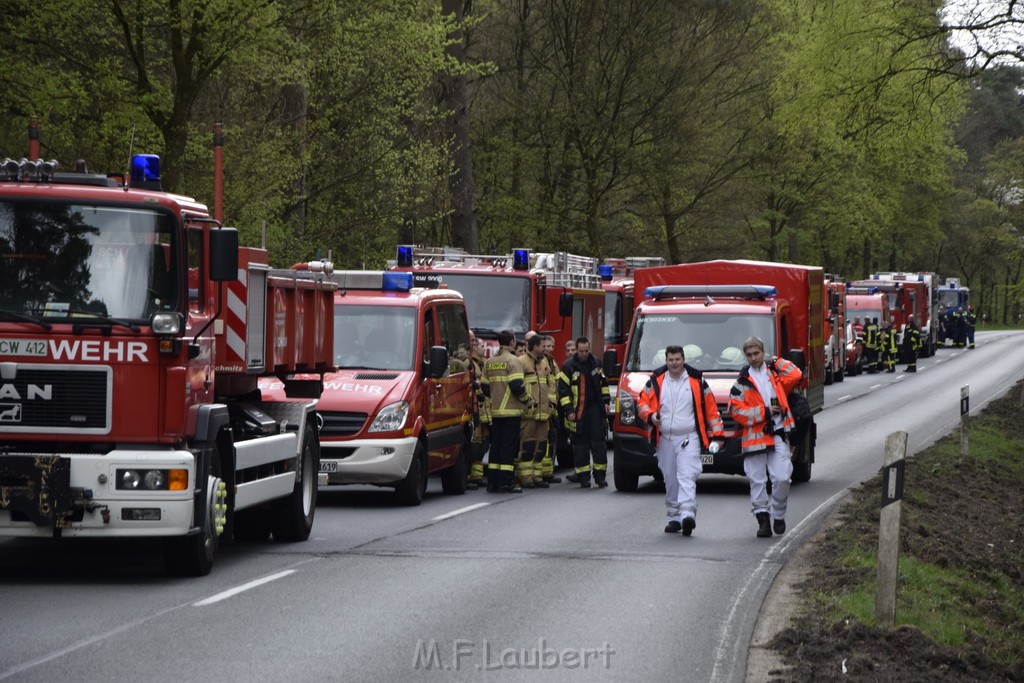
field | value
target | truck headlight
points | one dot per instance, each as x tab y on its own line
167	323
627	408
151	480
390	418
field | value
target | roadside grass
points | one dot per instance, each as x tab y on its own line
961	564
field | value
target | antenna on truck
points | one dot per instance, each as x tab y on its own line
131	148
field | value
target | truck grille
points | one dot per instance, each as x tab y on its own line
728	424
342	424
57	400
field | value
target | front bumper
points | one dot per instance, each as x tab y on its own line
366	461
75	495
634	454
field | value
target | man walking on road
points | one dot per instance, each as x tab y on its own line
758	402
678	405
583	400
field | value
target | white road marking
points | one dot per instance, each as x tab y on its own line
874	386
843	398
899	377
224	595
459	511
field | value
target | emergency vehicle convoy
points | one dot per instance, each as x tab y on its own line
711	308
133	330
916	296
835	329
556	294
400	405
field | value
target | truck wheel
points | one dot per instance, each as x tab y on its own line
802	466
410	491
829	377
625	481
194	555
291	518
453	478
841	373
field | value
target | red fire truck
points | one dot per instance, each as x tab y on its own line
711	308
132	332
835	328
557	294
619	303
920	300
400	405
904	299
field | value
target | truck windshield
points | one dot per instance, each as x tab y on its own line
493	302
375	337
951	298
78	261
711	341
613	333
867	314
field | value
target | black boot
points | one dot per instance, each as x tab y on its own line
779	526
764	525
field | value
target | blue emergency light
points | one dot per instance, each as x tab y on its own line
606	272
145	170
405	254
397	282
520	259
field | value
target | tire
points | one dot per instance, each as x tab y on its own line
802	467
291	518
829	375
453	478
626	482
841	374
194	555
410	491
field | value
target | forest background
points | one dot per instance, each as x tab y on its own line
859	135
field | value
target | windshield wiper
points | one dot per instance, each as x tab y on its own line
25	318
94	319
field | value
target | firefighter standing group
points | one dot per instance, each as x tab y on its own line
882	346
960	327
521	393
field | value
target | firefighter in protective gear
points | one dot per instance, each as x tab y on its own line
547	466
970	320
872	343
534	432
887	342
583	400
504	387
959	319
481	416
911	344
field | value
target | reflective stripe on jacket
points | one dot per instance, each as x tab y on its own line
572	388
748	409
503	384
707	421
538	381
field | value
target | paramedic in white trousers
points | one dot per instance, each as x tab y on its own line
680	408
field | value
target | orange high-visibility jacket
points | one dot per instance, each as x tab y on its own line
707	421
748	409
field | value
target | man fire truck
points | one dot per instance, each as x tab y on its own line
132	333
710	308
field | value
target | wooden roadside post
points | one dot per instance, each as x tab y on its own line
889	528
965	409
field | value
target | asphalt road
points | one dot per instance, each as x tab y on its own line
566	583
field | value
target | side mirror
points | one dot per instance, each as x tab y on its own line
224	255
798	358
565	304
612	369
438	362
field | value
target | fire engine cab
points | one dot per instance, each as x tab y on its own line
133	330
400	405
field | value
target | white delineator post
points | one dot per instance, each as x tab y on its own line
889	528
965	409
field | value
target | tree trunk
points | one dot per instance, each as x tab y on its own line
460	181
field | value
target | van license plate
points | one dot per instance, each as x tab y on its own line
705	459
328	465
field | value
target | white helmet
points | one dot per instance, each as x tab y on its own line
692	352
731	355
